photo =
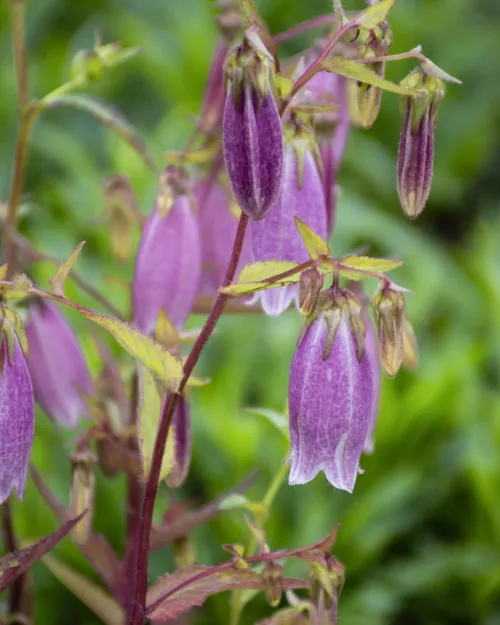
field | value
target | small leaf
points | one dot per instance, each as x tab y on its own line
165	332
277	419
59	278
106	115
358	267
15	564
374	14
166	368
150	408
256	277
432	69
177	593
3	271
96	599
17	289
358	71
313	242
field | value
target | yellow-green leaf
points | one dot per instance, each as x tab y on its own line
3	272
18	288
313	242
255	277
374	14
150	406
59	278
166	368
358	267
95	598
361	73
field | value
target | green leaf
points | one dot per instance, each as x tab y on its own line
358	267
59	278
150	408
95	598
277	419
108	116
361	73
313	242
166	368
374	14
255	277
17	289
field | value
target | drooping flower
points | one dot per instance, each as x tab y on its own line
167	267
331	393
56	364
416	143
217	225
252	133
17	420
276	237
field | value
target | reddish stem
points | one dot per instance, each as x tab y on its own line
321	20
142	551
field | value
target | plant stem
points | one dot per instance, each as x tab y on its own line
25	118
321	20
143	535
11	545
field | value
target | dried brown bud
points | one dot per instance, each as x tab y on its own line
82	492
389	311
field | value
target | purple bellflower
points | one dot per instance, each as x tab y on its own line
17	420
56	364
331	393
276	237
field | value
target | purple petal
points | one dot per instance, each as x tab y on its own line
167	267
17	423
56	364
330	403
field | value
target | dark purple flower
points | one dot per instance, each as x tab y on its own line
252	132
331	394
217	225
167	267
17	421
416	143
56	364
276	237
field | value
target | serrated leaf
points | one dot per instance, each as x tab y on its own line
15	564
359	72
313	242
96	599
166	368
277	419
358	267
374	14
59	278
188	587
255	277
150	408
108	116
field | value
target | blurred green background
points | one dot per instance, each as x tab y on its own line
420	536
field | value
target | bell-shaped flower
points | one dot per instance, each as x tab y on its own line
276	237
331	393
56	364
218	225
252	134
17	420
167	266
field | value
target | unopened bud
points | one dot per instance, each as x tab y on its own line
82	492
121	212
416	143
252	132
311	283
184	552
410	346
389	310
273	580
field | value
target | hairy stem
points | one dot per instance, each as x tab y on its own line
143	536
25	119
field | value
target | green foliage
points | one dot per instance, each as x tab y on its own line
420	536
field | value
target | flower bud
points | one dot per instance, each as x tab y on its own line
218	227
167	266
365	99
311	283
416	143
389	310
276	237
82	492
121	213
17	420
273	580
181	431
56	364
331	393
252	133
